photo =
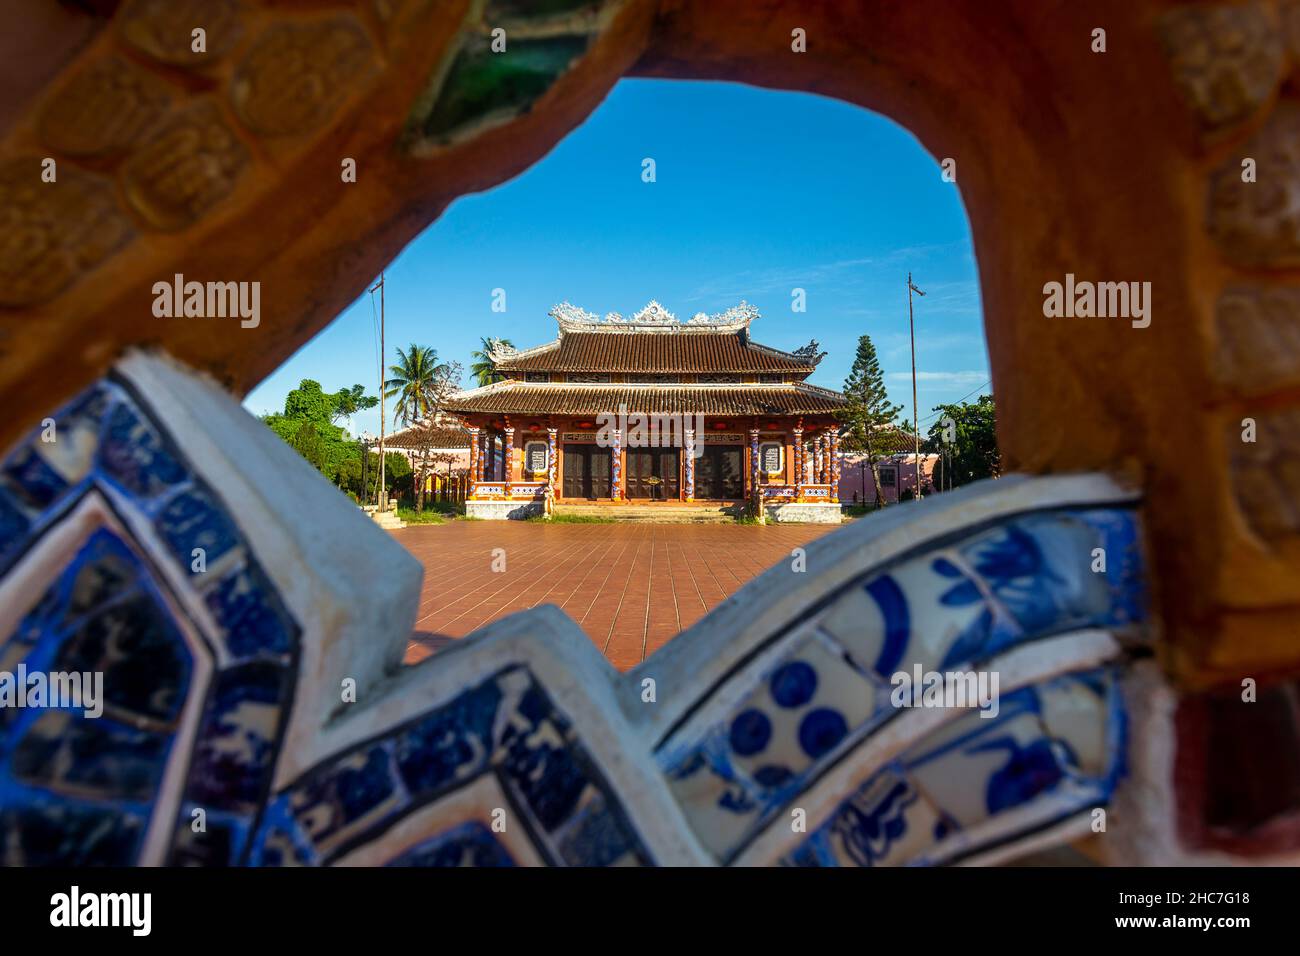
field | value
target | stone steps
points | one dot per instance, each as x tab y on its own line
652	514
387	520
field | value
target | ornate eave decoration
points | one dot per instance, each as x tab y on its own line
568	314
738	315
571	318
499	351
653	314
809	353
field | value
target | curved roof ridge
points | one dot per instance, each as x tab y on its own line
807	355
643	348
480	390
514	397
817	389
652	316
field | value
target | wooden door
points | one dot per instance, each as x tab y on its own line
668	470
576	481
720	472
639	468
652	474
599	463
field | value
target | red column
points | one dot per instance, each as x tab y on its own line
552	468
834	440
508	457
797	462
473	455
616	466
688	484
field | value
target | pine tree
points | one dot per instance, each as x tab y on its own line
869	416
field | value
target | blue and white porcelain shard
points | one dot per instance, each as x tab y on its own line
230	596
1053	749
802	722
504	732
127	567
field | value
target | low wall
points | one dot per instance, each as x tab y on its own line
502	510
804	512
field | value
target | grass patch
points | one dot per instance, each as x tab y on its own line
411	516
861	511
562	518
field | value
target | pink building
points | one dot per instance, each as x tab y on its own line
897	473
442	442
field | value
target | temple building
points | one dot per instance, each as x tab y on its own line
650	410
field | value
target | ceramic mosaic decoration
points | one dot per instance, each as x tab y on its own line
255	711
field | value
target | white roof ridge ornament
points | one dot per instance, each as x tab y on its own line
567	313
498	351
653	314
571	318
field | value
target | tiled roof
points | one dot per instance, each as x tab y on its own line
441	433
889	439
676	350
561	399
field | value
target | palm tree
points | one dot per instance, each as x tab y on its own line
483	368
417	380
421	384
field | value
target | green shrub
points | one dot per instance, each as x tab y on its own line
411	516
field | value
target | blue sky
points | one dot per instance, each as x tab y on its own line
757	193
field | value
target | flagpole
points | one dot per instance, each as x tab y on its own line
916	434
379	497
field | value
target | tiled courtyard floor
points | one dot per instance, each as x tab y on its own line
631	587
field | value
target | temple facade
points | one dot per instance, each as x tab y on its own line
654	411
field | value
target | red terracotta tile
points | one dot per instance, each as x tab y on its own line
630	587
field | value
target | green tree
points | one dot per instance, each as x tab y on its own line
349	476
966	435
398	476
868	418
309	402
306	425
307	442
483	369
349	401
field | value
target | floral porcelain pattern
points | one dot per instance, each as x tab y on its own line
956	607
127	561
